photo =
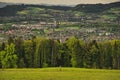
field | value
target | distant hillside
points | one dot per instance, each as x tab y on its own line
3	4
11	10
95	8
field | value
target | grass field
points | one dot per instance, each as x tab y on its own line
59	74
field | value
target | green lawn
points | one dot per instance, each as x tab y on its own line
57	74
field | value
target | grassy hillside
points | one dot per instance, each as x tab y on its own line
112	13
95	12
59	74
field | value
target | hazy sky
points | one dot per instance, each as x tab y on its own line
67	2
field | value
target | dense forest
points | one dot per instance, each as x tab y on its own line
42	52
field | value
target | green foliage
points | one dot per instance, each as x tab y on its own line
28	49
77	52
63	56
8	57
45	65
7	26
19	50
44	52
71	43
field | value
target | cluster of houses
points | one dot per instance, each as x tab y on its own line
48	23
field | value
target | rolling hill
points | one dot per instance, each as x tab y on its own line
11	10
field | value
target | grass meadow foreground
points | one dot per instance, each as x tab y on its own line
59	74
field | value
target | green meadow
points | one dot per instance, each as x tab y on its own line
59	74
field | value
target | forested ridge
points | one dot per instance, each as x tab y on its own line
42	52
95	8
11	10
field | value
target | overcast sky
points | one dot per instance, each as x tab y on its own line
55	2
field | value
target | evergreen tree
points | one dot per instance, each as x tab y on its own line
19	49
28	48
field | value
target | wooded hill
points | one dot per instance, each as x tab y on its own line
11	10
95	8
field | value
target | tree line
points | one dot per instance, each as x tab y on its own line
45	52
